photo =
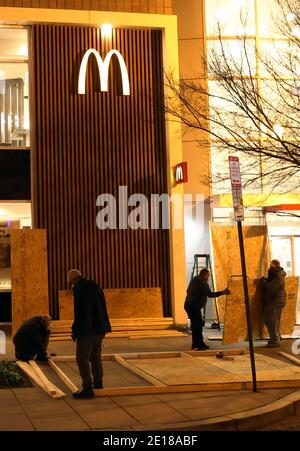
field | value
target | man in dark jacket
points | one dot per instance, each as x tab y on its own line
196	298
91	323
274	300
32	338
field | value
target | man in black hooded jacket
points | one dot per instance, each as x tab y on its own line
91	323
32	338
196	298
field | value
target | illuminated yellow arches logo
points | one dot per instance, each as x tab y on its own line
103	67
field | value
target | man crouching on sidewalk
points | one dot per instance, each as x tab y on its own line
32	338
91	323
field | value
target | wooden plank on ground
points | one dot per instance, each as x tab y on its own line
289	357
36	379
53	390
152	390
71	386
43	378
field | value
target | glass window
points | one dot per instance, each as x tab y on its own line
250	170
14	104
13	43
281	106
236	17
270	15
14	88
228	118
280	177
237	53
279	57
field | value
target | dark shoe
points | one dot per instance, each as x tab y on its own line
84	393
273	345
97	386
203	347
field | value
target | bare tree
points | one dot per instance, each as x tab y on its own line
249	104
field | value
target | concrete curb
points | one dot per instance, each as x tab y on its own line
243	421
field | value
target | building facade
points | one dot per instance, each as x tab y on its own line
60	149
74	147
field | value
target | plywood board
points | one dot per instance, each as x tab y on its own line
181	371
195	373
29	275
209	370
267	368
235	323
226	255
121	303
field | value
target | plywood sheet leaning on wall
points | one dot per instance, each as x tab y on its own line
29	275
235	324
121	303
226	255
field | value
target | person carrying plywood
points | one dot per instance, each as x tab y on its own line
274	300
196	298
91	323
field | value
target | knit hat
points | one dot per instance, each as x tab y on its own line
73	274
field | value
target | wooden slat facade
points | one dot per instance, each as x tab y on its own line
86	145
134	6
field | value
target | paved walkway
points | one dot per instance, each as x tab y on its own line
31	409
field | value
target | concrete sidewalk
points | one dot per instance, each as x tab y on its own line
31	409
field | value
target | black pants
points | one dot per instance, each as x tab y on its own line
272	316
195	315
88	356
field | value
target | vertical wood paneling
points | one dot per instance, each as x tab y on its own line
92	144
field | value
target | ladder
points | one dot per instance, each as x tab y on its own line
202	261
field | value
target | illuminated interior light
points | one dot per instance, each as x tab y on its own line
26	122
296	31
279	130
290	17
106	30
103	67
220	14
243	31
23	50
264	129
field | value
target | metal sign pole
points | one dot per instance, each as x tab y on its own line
247	304
236	185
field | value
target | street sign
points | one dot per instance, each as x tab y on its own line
236	186
237	198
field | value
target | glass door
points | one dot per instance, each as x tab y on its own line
281	249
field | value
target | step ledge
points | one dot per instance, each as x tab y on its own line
247	420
